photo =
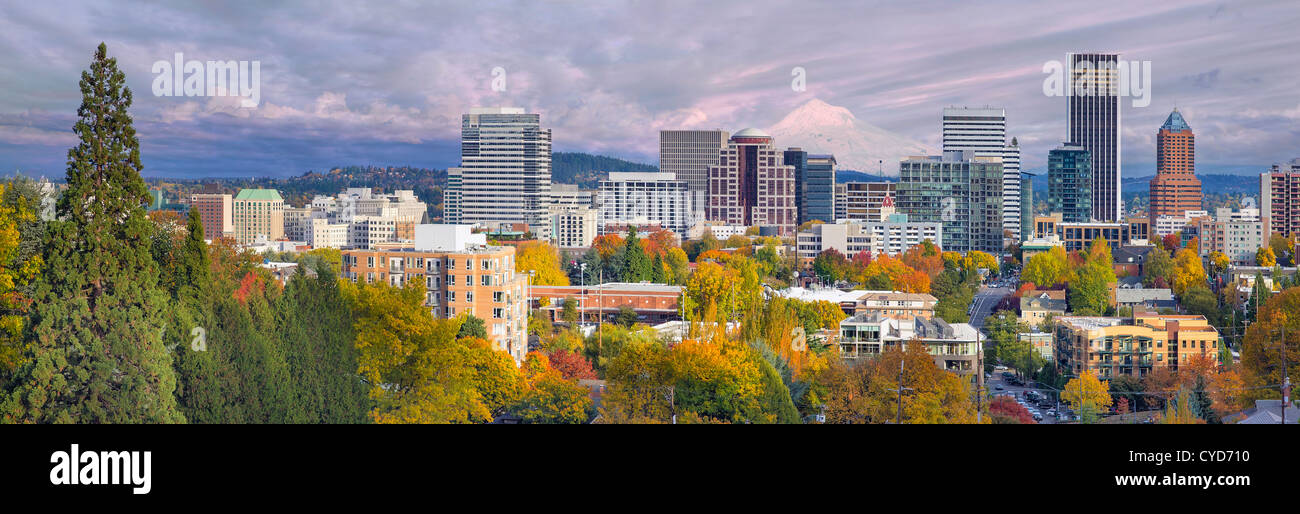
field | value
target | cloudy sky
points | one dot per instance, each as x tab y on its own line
350	83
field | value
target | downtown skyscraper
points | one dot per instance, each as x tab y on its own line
752	185
505	173
814	177
983	131
961	190
688	154
1175	188
1093	119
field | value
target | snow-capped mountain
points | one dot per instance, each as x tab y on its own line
821	128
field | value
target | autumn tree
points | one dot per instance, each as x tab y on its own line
1188	270
1047	268
1087	396
543	261
21	231
1276	330
1089	292
1159	266
1265	257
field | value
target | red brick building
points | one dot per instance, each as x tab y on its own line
1175	188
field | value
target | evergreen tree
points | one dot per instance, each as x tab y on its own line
657	271
636	265
98	321
473	326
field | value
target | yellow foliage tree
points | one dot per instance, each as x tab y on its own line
1087	394
1188	270
16	274
544	261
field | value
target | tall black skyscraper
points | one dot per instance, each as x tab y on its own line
1093	115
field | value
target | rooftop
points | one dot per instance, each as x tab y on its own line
1176	123
259	194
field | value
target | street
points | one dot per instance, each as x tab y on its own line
1019	391
985	300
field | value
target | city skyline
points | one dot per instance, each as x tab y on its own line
371	85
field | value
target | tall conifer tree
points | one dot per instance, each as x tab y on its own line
99	356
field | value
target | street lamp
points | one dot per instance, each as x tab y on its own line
582	298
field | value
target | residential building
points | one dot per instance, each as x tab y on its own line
866	201
1111	347
897	305
962	191
956	347
688	154
1175	188
720	231
643	198
851	237
258	214
574	226
1266	412
1041	342
451	196
752	185
1148	298
1165	225
216	213
1045	226
505	170
1069	183
569	195
1129	260
1236	234
1026	205
1038	305
323	234
461	275
1279	199
1093	121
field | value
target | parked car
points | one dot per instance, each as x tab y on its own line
1038	417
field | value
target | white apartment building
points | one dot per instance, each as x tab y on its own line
505	171
323	234
875	237
1166	225
366	231
574	226
569	195
643	198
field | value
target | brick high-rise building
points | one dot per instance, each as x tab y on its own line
1279	199
216	212
1175	188
751	184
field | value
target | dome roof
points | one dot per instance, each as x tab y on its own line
750	132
